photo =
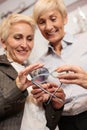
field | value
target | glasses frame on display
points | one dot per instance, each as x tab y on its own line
44	72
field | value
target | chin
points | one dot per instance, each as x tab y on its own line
21	60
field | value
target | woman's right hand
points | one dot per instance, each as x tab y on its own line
42	96
21	81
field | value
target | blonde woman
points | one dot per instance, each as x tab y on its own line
63	49
17	37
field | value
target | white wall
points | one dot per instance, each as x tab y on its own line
40	43
73	25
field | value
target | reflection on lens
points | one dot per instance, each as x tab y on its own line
40	78
40	75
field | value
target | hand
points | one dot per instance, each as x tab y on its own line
41	96
57	91
58	102
22	81
79	76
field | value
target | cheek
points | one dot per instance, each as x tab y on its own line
10	47
41	29
31	45
61	28
60	25
10	50
11	43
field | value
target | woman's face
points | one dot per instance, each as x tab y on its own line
19	42
51	25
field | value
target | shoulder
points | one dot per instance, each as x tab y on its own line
3	59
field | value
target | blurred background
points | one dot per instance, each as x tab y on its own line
77	20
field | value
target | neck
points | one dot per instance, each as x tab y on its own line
58	48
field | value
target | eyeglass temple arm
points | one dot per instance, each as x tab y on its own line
43	89
51	94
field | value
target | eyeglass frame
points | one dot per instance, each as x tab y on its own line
52	95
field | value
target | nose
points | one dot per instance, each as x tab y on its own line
24	43
48	25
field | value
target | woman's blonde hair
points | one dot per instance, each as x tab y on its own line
10	20
42	6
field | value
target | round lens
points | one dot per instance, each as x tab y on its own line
40	75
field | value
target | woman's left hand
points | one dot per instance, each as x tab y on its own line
75	75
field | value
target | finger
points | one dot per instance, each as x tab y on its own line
69	76
72	81
40	100
38	95
30	68
60	95
45	97
75	69
36	90
72	76
57	103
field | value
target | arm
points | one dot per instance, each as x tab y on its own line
11	97
13	91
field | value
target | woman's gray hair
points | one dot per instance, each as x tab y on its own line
10	20
43	6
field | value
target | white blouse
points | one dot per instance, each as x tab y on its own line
34	114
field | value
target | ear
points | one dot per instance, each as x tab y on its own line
3	44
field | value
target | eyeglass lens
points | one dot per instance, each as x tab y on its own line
40	75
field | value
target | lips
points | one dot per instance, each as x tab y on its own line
52	32
22	51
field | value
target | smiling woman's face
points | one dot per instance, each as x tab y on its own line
51	25
20	42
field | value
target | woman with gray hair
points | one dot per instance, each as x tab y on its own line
17	37
63	49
